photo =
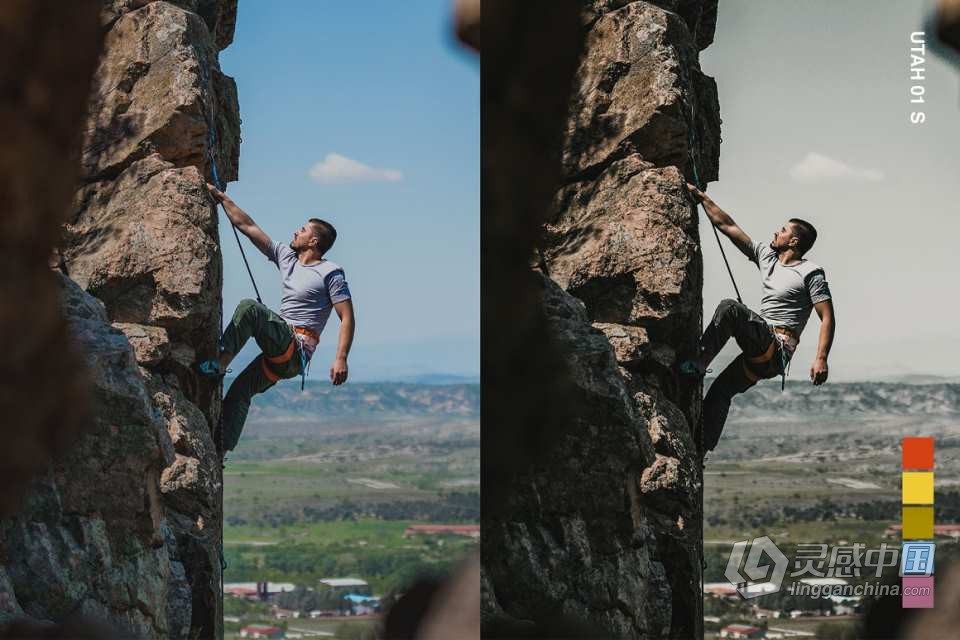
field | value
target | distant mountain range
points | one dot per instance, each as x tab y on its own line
432	396
847	399
286	401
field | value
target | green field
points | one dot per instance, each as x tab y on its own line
305	501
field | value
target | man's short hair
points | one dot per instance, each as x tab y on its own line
805	233
326	234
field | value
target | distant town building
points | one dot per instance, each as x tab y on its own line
742	632
320	613
774	632
468	530
343	586
362	605
764	614
720	589
727	590
833	582
343	582
256	590
848	600
258	631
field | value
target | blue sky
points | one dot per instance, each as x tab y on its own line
386	102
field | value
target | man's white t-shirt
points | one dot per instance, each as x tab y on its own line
309	291
789	292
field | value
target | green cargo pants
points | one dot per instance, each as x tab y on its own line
273	335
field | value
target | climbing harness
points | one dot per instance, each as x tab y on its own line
786	338
296	344
779	343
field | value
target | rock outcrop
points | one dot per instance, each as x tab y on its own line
605	528
125	525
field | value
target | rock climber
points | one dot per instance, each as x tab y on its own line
792	286
312	286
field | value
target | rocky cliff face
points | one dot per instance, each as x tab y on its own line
605	527
126	525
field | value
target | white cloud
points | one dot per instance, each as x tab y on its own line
819	168
335	168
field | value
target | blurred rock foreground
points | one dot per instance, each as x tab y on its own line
592	513
120	519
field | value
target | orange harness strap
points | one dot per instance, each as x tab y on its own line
285	356
270	375
766	355
760	359
280	359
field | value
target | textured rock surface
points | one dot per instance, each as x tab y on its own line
605	527
125	526
80	546
146	244
149	96
638	88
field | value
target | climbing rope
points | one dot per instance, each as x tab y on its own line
211	145
691	130
696	180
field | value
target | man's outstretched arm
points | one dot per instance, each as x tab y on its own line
828	324
724	223
338	371
243	222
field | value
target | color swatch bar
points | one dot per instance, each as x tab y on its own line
917	550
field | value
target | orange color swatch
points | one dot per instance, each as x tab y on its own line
918	453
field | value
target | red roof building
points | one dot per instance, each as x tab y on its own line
258	631
742	632
468	530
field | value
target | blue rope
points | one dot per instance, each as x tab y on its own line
304	365
211	145
211	142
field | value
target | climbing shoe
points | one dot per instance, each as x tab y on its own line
693	369
211	369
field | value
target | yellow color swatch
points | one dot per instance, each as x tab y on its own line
918	523
917	487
